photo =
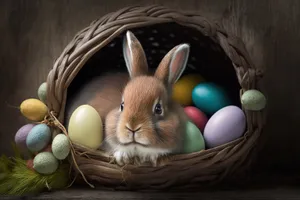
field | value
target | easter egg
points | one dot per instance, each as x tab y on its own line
85	127
226	125
182	89
193	140
42	92
48	148
29	164
33	109
60	146
253	100
209	98
38	138
21	135
45	163
196	116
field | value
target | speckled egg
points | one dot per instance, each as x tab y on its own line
210	98
21	135
253	100
29	164
45	163
85	127
60	146
224	126
182	90
193	140
33	109
42	92
38	138
48	148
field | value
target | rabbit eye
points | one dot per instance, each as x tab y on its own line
158	109
122	106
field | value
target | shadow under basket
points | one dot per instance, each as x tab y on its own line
216	55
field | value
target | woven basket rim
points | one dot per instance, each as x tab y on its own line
102	31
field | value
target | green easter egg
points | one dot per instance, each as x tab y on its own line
45	163
253	100
193	140
42	92
60	146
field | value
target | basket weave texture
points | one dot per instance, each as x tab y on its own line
181	170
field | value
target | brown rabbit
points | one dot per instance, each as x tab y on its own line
147	123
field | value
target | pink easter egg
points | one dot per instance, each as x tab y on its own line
196	116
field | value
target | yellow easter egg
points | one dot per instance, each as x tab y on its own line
85	127
182	89
33	109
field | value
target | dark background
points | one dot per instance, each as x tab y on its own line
34	33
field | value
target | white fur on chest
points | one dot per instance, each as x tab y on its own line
124	153
140	151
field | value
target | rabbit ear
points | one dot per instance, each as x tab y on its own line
173	64
134	56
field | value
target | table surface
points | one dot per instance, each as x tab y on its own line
270	193
259	187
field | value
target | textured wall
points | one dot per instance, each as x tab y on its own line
34	33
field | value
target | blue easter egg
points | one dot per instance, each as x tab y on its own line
38	138
209	97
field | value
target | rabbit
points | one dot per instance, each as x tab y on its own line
147	124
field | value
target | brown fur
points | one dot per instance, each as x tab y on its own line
137	130
139	97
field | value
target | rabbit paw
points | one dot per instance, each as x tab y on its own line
121	158
153	160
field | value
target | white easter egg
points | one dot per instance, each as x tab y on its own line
60	146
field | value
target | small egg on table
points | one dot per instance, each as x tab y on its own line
45	163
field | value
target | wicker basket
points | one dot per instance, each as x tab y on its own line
214	53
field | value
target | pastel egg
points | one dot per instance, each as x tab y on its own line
85	127
48	148
182	89
60	146
33	109
253	100
196	116
45	163
224	126
209	98
38	138
29	164
42	92
21	135
193	140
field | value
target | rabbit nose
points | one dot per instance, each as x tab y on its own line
133	131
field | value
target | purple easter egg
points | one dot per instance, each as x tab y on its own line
226	125
21	135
